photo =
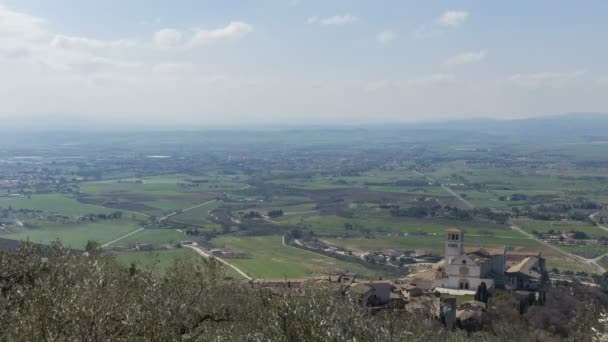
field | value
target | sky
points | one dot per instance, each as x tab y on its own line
272	62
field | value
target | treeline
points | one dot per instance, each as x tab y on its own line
405	182
578	203
57	295
447	212
551	212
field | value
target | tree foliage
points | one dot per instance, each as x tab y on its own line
55	294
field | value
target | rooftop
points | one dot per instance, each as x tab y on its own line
527	267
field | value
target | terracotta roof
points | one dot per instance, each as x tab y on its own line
429	274
527	267
478	258
455	230
488	251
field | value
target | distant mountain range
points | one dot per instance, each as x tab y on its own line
572	124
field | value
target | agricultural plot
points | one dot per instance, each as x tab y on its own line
433	190
434	243
53	203
153	237
563	183
74	235
296	209
313	184
157	195
588	252
162	260
197	216
539	226
562	262
270	259
558	227
371	224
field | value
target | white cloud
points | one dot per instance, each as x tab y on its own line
168	38
545	79
70	42
466	58
21	24
312	20
234	30
386	37
21	34
28	39
336	20
453	18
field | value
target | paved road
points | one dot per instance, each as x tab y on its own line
202	253
122	237
592	217
450	191
183	211
588	262
465	202
307	251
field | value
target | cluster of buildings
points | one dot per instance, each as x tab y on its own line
465	269
475	272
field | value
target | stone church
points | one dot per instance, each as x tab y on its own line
466	270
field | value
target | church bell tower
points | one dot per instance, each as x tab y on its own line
454	244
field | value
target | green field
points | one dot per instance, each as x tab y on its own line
197	216
559	226
160	185
271	260
53	203
430	243
588	252
153	237
74	235
378	220
161	259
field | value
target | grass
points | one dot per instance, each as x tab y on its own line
563	263
430	243
381	221
544	226
271	260
74	235
197	216
53	203
162	259
153	237
160	185
588	252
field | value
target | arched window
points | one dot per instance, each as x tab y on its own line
463	284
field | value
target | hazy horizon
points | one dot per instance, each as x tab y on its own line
297	62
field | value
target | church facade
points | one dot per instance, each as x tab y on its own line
467	270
